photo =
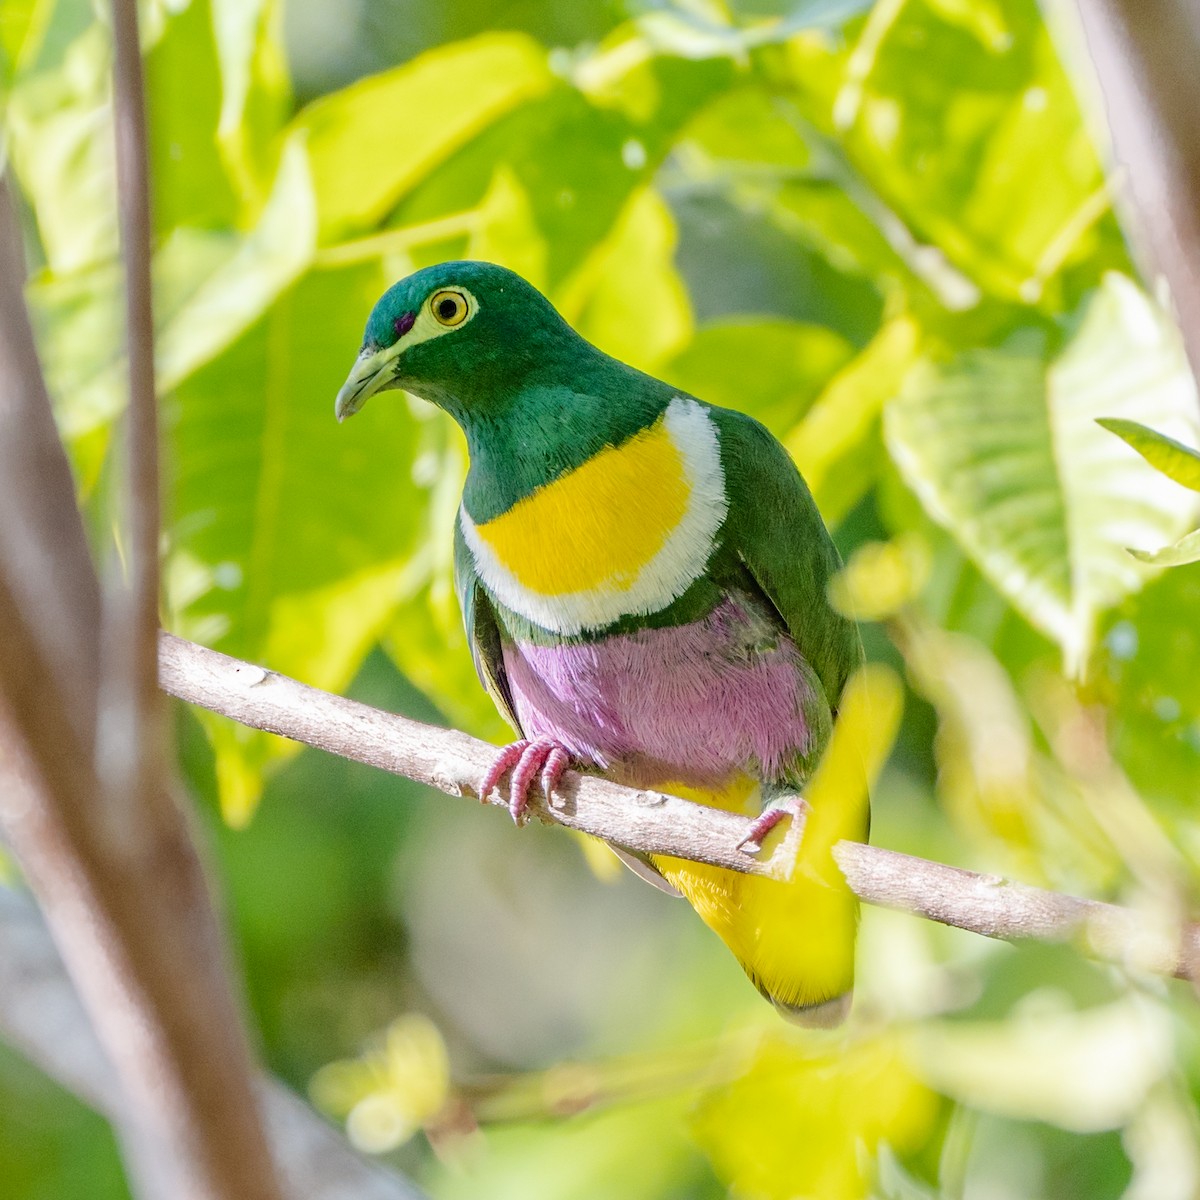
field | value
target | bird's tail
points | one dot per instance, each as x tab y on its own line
795	940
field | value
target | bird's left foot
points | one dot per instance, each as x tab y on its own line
541	759
793	806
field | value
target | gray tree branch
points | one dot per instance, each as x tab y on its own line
653	823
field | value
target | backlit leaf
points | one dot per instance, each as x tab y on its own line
374	140
627	298
254	86
1175	460
794	361
22	28
59	125
1085	1070
1003	449
804	1123
949	113
836	443
1186	550
291	533
243	287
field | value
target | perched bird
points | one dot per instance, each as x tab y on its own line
643	580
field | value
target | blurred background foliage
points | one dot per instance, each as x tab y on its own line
882	228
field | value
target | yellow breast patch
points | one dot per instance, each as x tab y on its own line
598	525
623	534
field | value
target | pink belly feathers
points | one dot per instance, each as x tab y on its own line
695	703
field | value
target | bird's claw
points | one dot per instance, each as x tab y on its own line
792	806
541	758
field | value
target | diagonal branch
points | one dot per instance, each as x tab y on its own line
653	823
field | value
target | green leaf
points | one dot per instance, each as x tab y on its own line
577	163
425	635
183	92
627	298
1186	550
1152	652
1175	460
254	85
209	287
291	535
745	125
1003	449
1087	1070
505	230
22	29
235	294
638	1151
59	125
960	118
837	443
803	1123
792	363
373	141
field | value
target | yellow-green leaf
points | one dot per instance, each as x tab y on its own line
627	297
793	362
1003	449
1184	551
801	1123
1085	1071
836	444
372	141
59	126
1175	460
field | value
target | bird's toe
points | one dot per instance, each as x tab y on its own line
790	806
504	760
557	761
531	762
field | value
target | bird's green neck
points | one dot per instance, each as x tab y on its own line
550	425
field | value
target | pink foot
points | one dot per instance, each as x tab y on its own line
529	758
792	806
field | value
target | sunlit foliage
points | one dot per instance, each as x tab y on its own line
883	229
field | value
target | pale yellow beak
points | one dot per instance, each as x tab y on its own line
372	372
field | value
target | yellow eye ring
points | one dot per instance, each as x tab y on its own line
449	307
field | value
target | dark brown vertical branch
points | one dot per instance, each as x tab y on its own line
124	894
41	1017
1147	58
42	542
131	728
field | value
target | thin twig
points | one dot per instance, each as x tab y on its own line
653	823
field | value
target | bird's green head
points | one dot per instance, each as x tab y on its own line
464	335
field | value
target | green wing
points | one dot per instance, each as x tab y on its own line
776	530
483	630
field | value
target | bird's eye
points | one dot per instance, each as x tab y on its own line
448	307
